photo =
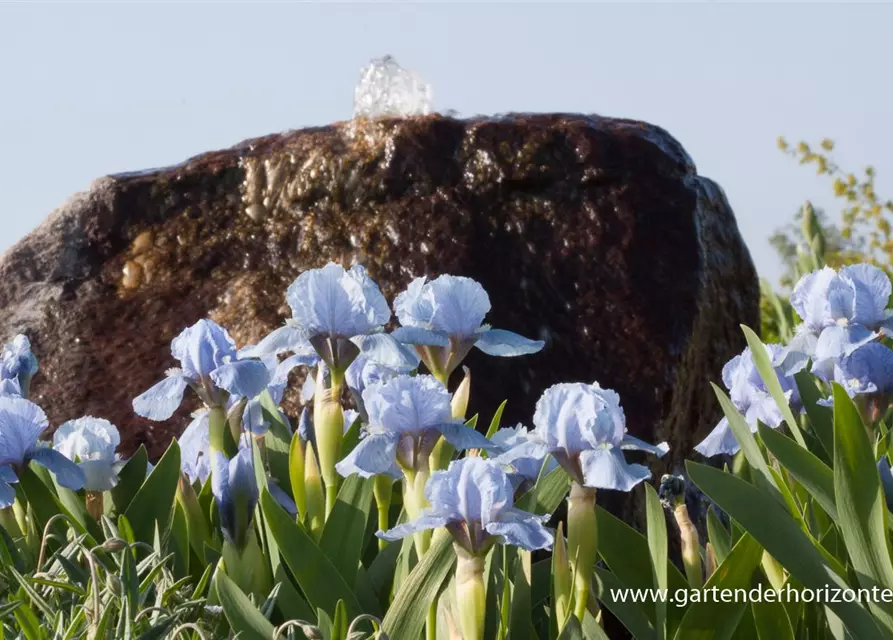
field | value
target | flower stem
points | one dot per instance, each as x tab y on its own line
471	594
328	419
582	543
383	489
414	501
217	430
95	504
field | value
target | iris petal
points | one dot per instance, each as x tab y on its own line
287	339
243	378
631	442
161	401
719	441
67	473
422	523
607	469
462	437
499	342
421	336
521	529
374	454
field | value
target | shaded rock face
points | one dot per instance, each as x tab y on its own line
594	234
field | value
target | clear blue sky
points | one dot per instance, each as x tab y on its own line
92	89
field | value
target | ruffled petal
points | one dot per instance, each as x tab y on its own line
607	469
631	442
388	351
287	339
412	306
719	441
530	449
521	529
421	336
332	301
242	378
202	348
872	292
841	340
67	473
161	401
794	357
374	454
99	475
460	305
423	523
462	437
499	342
21	423
407	403
87	438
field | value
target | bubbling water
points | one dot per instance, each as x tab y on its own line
387	90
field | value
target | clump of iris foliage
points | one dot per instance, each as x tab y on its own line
402	517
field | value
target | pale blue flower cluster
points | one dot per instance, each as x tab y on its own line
750	396
866	371
92	443
524	470
583	427
473	499
407	415
841	311
444	319
333	309
209	365
21	423
17	366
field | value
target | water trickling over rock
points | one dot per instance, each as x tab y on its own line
387	90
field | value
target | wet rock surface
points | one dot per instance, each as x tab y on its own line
594	234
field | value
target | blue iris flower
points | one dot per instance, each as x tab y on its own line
866	371
234	486
473	499
361	373
841	311
21	423
195	457
208	364
18	365
751	397
92	443
336	312
253	419
583	427
444	319
407	415
524	470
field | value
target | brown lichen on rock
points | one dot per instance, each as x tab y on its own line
594	234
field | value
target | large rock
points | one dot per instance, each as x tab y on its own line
594	234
